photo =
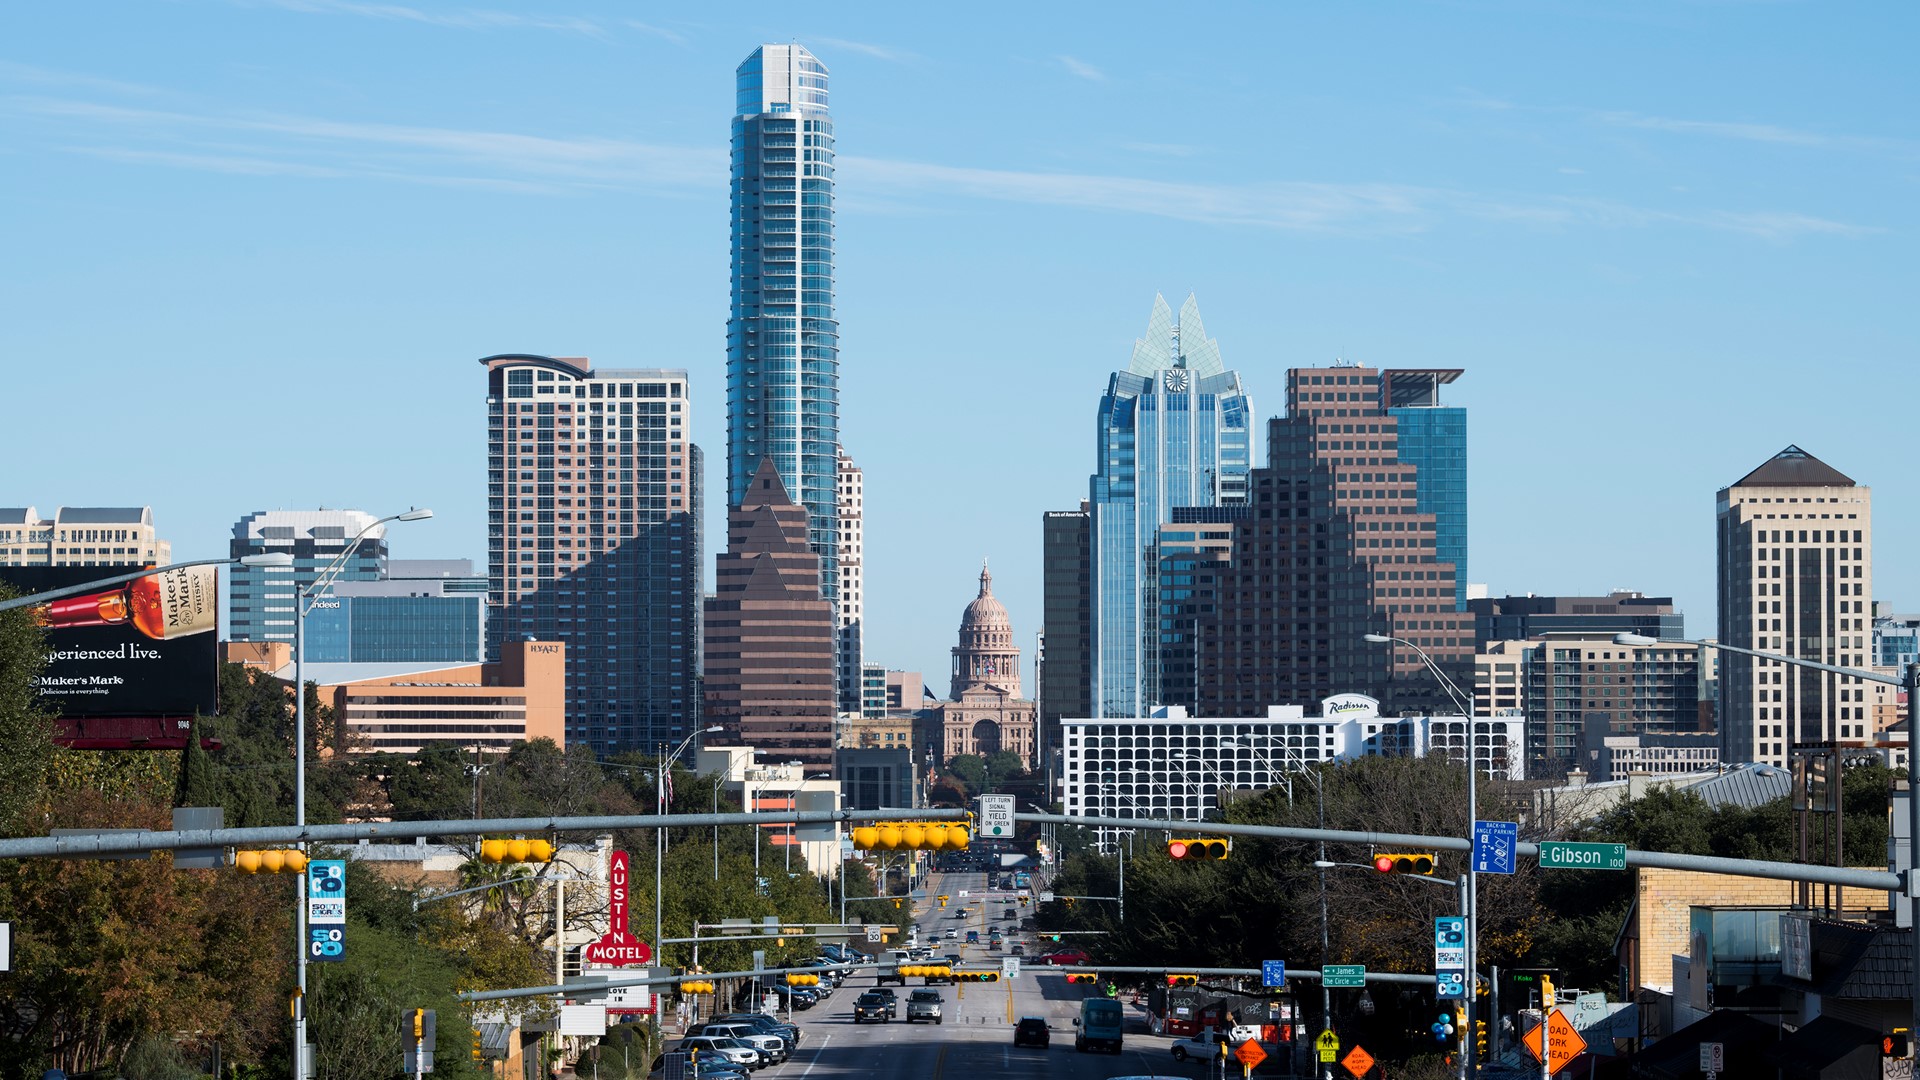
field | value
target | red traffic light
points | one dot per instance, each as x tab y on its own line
1420	863
1383	863
1177	849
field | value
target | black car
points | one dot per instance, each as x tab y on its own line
1030	1031
874	1005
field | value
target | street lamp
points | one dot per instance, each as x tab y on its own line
1470	906
1207	765
660	833
1911	685
303	601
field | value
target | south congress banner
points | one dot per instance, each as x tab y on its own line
141	648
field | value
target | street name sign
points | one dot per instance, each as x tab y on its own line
1566	855
996	815
1344	975
1495	844
1273	973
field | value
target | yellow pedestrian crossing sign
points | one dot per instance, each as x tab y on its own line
1328	1044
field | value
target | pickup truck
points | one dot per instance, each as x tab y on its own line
1207	1044
924	1005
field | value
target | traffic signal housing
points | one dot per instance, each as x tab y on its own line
696	986
1182	980
1480	1038
1897	1043
271	861
517	850
795	979
476	1043
1419	862
911	836
977	976
1199	849
1083	978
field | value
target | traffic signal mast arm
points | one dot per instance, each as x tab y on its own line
116	843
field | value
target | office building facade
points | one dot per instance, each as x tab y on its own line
1334	548
261	599
425	610
1064	664
404	708
1174	430
1189	555
1795	540
783	343
1580	691
1516	618
770	634
1433	439
593	539
81	536
849	535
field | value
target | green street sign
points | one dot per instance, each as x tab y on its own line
1344	975
1561	855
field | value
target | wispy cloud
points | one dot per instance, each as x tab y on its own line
658	31
68	80
470	19
1769	133
278	144
865	48
1161	149
1081	68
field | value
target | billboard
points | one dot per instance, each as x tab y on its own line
141	651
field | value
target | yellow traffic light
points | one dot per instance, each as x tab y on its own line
1419	862
794	979
273	861
1201	848
517	850
911	836
476	1043
1480	1037
1546	991
1182	980
1083	978
696	986
896	905
943	901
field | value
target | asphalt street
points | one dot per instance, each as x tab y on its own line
975	1039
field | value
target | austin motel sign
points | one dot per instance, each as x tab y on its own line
617	947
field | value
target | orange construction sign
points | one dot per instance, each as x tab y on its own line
1250	1054
1563	1042
1358	1061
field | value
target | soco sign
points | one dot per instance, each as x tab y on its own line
617	947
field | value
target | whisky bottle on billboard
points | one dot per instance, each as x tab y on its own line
169	604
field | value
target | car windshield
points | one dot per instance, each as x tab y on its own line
926	995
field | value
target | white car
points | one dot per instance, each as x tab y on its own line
733	1050
1207	1044
773	1046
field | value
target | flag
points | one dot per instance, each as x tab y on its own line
666	783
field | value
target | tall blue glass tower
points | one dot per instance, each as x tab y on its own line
1174	430
1433	438
783	351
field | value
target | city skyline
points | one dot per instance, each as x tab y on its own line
1655	264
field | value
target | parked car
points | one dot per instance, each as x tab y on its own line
875	1005
924	1005
764	1023
774	1047
1030	1031
733	1050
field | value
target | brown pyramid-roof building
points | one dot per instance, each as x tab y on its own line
1794	467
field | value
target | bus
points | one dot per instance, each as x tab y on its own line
1022	879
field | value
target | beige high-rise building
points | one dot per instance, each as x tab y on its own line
1795	577
81	536
848	538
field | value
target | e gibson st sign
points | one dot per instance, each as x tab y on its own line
617	947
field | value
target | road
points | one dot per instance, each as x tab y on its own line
975	1041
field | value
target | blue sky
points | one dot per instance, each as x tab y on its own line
254	248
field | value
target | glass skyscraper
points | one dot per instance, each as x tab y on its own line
1174	430
1433	439
783	351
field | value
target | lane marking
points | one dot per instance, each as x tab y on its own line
824	1040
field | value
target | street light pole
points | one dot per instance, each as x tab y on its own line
1471	906
665	762
303	601
1909	683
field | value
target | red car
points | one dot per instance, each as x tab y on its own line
1067	958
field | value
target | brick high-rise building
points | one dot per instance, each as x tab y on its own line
593	539
1796	577
1334	549
770	634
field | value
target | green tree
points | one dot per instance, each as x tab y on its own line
971	769
26	728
